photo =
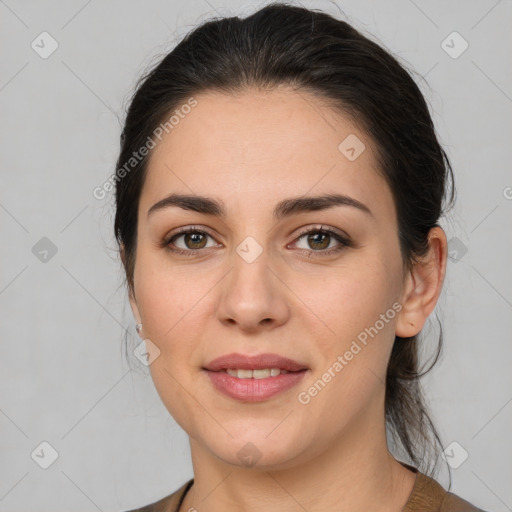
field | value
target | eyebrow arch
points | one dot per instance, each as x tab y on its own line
285	208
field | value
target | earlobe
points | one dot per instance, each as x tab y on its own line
122	254
131	297
423	286
133	305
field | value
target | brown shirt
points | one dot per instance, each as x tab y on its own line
426	496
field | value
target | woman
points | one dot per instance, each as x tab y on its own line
278	194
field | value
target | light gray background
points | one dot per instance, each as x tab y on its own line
63	375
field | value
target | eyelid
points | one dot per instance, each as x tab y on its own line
322	227
185	230
343	239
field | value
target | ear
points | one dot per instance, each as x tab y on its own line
131	297
135	308
423	286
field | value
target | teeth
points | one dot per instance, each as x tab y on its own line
255	374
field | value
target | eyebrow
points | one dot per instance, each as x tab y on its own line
285	208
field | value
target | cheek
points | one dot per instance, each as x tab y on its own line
172	384
173	317
351	299
167	298
356	304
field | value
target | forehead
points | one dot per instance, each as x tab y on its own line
258	146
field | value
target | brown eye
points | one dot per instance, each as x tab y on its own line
194	240
322	242
189	240
318	240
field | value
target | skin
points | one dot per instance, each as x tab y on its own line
251	151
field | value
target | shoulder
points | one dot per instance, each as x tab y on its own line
428	495
454	503
169	503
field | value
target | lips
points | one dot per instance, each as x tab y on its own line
255	389
258	362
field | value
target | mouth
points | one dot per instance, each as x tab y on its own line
263	373
239	362
254	378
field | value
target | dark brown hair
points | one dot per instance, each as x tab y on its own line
312	51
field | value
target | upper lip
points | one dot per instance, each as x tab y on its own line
258	362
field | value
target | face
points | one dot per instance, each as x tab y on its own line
254	281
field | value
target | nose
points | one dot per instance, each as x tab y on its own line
253	296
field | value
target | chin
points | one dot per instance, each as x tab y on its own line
259	453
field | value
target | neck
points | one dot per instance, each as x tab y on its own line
355	472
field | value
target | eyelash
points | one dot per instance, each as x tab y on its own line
343	241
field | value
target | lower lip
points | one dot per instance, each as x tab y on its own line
254	390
